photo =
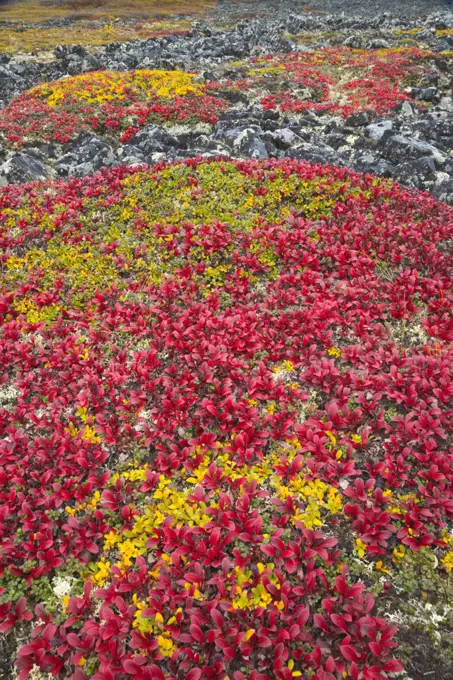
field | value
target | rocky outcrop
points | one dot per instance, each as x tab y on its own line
412	143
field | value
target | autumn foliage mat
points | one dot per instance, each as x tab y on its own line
225	408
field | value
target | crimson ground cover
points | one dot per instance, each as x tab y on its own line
339	80
113	103
225	422
117	104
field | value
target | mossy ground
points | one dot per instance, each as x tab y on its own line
85	32
29	25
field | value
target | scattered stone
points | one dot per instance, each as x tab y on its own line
443	188
87	155
414	172
129	155
315	153
376	131
369	164
413	144
377	44
153	138
283	138
358	119
61	51
355	41
399	148
249	144
24	167
429	94
406	109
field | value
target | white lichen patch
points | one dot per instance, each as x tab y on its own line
417	335
430	617
62	586
408	333
179	129
35	674
8	396
308	407
402	675
143	417
282	374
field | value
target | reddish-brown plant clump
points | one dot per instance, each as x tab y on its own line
225	419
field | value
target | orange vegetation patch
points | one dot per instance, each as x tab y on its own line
45	10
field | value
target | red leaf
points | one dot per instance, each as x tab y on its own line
264	641
303	616
130	666
393	666
268	550
217	617
194	674
25	650
73	640
339	621
196	633
321	622
79	675
157	673
349	653
294	630
375	648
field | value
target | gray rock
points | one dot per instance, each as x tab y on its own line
90	63
355	41
413	173
369	164
79	50
375	131
423	128
443	128
357	119
315	153
283	138
377	43
24	167
249	144
204	143
153	138
228	132
87	154
399	148
429	94
61	51
446	143
42	152
19	69
74	66
443	190
129	155
425	34
5	72
336	140
406	109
